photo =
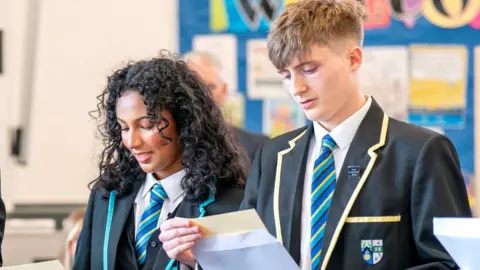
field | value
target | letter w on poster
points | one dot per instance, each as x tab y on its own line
238	241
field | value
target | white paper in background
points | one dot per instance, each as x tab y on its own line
224	47
281	116
384	75
438	65
461	238
263	80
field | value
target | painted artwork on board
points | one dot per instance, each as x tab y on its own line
281	116
234	110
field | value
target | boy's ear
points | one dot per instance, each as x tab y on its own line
355	57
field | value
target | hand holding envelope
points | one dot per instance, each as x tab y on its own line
239	240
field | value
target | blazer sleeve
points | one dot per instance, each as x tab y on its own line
438	190
2	225
84	243
253	180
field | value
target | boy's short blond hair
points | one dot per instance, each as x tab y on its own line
307	22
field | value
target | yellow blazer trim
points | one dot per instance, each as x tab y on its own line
377	219
276	192
348	208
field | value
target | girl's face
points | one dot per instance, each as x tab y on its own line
154	153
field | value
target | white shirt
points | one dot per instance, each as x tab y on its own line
343	135
173	189
172	186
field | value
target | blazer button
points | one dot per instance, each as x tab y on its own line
153	244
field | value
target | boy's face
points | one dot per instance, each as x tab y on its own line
322	81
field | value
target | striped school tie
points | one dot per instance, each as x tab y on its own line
148	222
323	186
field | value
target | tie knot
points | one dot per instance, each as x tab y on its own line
158	194
328	143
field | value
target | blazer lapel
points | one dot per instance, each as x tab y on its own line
289	180
123	207
359	162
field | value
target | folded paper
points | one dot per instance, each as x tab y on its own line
238	241
461	238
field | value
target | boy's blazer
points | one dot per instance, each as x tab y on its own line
408	175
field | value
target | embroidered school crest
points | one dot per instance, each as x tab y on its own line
372	251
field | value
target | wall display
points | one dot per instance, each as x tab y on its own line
281	115
438	85
433	32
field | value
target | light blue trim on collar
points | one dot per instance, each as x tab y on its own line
210	200
202	206
170	265
203	212
111	208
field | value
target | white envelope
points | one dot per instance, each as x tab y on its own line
239	241
50	265
461	238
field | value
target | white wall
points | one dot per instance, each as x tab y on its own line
79	43
5	97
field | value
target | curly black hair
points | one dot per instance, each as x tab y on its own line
210	155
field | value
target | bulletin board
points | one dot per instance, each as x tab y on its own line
419	59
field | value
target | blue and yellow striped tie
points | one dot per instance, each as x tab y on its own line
148	222
323	186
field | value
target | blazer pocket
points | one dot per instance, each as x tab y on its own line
374	242
374	219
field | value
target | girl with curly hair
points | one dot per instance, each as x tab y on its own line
168	155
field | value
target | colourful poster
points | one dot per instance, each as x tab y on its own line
438	85
281	116
377	14
243	15
406	11
452	13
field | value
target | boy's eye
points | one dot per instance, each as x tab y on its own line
310	70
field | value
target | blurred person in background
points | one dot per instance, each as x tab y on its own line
168	155
209	68
72	228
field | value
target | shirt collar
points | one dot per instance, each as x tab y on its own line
343	134
171	184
